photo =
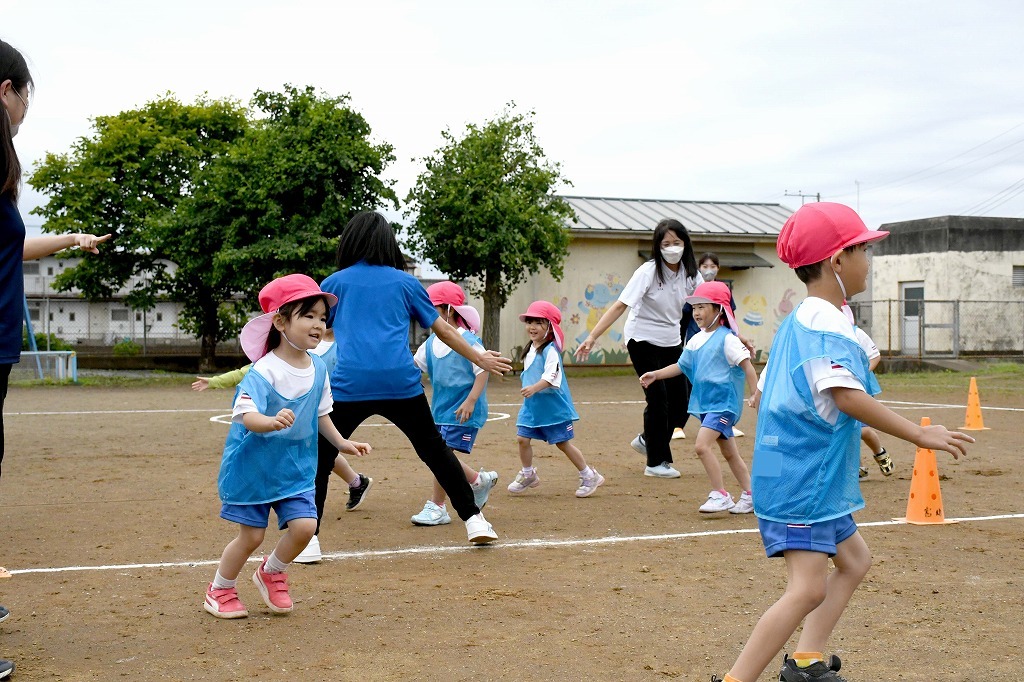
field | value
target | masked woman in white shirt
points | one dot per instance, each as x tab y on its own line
654	298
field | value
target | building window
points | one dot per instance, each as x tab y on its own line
49	271
118	314
138	316
159	317
51	317
71	317
1018	275
33	314
30	268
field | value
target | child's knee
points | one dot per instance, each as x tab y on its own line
523	441
302	529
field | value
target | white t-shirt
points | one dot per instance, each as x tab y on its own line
818	314
735	351
867	344
441	350
656	308
291	382
552	368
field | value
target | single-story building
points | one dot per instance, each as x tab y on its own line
613	237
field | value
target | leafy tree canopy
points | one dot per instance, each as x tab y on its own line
484	210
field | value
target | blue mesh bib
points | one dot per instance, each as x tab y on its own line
717	386
550	406
451	379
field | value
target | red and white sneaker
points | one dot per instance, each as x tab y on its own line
273	588
224	603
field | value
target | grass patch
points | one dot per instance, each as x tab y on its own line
113	379
998	377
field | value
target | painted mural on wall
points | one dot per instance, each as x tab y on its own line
584	316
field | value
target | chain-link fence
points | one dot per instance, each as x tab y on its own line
933	328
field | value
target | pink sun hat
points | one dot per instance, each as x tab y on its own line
818	230
715	293
282	290
547	311
450	293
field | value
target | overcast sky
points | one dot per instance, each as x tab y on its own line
921	103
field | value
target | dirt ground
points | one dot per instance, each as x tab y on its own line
115	490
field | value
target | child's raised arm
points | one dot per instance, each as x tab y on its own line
864	408
668	372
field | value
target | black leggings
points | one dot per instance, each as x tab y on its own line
412	417
5	374
667	400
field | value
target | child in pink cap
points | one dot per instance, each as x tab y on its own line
547	413
459	399
716	362
807	447
270	456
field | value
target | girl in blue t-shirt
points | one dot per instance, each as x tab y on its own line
459	400
270	457
547	413
716	362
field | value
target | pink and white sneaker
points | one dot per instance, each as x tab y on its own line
273	588
224	603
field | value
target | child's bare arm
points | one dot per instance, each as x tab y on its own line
534	388
874	362
329	431
864	408
465	411
751	376
668	372
261	423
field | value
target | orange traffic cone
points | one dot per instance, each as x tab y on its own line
925	504
974	420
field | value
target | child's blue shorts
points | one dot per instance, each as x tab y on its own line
719	421
554	434
301	506
815	537
459	437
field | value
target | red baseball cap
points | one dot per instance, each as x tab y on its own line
819	230
543	310
450	293
282	290
715	293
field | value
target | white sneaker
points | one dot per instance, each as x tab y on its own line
432	515
737	433
744	505
679	433
482	490
311	554
717	502
524	481
663	470
588	484
479	530
639	444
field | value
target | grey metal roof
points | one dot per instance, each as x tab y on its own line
602	214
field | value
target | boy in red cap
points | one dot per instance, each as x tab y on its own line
807	449
270	456
716	362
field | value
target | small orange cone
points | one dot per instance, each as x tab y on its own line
925	504
974	420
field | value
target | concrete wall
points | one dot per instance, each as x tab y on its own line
597	269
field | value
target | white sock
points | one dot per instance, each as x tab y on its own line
222	583
587	472
529	471
274	565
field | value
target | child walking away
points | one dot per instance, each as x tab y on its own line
807	446
868	434
547	413
716	362
270	457
358	484
459	401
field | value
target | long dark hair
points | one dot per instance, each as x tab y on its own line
688	262
14	68
369	237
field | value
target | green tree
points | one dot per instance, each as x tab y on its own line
485	210
128	178
271	201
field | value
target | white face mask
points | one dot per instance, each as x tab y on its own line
708	274
13	126
672	254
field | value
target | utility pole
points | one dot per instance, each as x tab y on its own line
857	182
798	193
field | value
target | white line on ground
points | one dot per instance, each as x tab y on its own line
521	544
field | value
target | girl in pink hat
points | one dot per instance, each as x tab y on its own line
547	413
270	457
716	362
459	400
